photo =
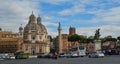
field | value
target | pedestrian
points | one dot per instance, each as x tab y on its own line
55	55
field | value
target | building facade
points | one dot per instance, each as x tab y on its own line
8	41
36	39
65	43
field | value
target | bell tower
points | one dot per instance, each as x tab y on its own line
38	20
21	31
72	31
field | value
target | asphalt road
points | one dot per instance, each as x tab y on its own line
81	60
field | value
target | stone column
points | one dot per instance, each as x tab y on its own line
60	38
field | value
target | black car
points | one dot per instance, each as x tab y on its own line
42	55
45	55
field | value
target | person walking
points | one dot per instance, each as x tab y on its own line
55	55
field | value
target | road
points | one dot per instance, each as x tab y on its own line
81	60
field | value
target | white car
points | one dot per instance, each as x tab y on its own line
72	55
96	55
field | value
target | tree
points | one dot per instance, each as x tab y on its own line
111	39
88	40
118	37
74	38
118	44
103	40
55	44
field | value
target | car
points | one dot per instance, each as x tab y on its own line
50	55
68	55
96	55
4	56
62	55
72	55
42	55
12	56
45	55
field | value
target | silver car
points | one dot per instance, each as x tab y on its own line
4	56
96	55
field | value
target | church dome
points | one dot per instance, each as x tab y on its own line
33	26
38	19
20	28
32	18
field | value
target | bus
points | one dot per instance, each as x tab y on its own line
80	51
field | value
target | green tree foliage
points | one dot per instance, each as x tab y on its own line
111	39
118	37
80	39
108	39
103	40
74	38
54	40
88	40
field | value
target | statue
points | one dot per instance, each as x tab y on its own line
97	34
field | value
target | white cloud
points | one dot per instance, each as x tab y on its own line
111	16
48	18
76	8
16	12
73	10
52	31
50	24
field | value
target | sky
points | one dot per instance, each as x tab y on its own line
85	15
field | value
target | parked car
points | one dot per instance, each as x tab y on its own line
42	55
112	52
45	55
12	56
4	56
72	55
68	55
21	55
62	55
96	55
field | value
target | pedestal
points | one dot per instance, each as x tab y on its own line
97	45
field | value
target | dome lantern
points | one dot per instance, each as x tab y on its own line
32	18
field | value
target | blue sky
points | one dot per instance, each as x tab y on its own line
85	15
